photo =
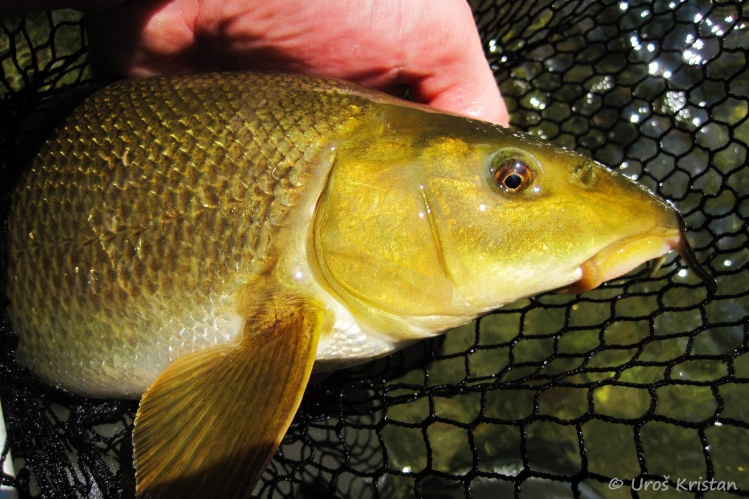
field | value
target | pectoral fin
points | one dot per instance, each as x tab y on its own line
211	422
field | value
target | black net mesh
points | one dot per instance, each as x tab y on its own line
641	383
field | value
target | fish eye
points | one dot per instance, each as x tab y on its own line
512	174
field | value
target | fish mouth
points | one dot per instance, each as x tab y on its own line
627	254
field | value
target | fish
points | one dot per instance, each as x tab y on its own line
204	242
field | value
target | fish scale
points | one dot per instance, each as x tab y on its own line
97	205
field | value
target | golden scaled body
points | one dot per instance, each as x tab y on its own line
131	234
202	240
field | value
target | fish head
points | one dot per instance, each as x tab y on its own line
437	219
535	217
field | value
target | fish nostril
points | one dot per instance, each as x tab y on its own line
586	174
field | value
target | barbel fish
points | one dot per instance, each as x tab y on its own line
199	242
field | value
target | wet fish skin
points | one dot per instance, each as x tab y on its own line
205	238
143	214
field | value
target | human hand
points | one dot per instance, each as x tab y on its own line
430	48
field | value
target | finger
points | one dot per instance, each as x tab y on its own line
471	93
450	72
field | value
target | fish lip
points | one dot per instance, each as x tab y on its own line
636	250
620	257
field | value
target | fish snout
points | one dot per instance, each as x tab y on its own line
626	254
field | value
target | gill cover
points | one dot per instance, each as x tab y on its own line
375	236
